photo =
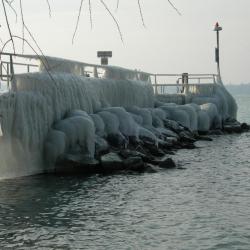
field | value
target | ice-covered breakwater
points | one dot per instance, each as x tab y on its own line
51	118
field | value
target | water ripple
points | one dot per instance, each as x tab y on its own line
204	207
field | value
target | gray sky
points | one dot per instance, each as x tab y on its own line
169	44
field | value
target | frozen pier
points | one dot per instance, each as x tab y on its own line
56	109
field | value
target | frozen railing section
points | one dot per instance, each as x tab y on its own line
198	84
11	64
53	64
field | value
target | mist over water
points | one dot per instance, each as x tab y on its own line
205	206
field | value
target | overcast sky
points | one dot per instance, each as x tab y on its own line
169	44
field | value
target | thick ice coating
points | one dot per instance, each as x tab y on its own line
50	115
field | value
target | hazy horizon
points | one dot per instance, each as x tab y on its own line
169	44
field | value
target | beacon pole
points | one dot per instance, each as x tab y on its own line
217	28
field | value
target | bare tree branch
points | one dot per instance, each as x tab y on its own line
141	14
34	40
174	7
21	10
8	26
77	22
12	8
41	58
117	4
49	7
103	2
114	19
90	15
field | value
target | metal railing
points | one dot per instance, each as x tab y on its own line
181	83
184	83
8	65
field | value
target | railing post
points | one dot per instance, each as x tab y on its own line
13	79
185	83
95	72
8	72
1	70
177	87
156	89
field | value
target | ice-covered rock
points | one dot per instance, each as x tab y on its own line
99	125
79	130
55	146
127	125
214	117
111	162
111	122
144	113
193	119
203	121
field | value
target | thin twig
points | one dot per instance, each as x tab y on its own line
39	56
90	15
77	22
117	24
49	7
174	7
8	25
34	40
117	5
141	14
21	10
12	8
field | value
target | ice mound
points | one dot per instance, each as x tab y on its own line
111	122
145	114
127	125
100	129
215	120
223	100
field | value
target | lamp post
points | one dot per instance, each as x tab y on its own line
218	28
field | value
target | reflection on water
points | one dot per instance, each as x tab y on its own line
205	206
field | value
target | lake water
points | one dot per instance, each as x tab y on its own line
205	206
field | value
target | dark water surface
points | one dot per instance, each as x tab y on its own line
205	206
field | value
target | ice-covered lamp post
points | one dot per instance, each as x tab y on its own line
218	28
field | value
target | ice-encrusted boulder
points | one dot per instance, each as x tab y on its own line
127	125
99	125
203	121
55	146
214	117
79	130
